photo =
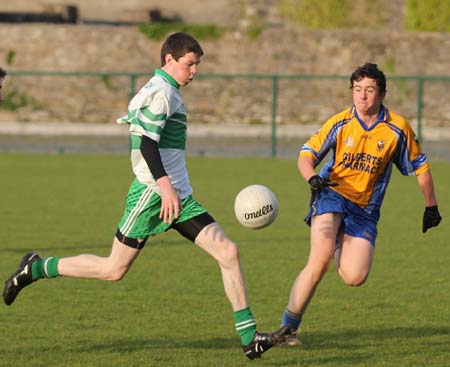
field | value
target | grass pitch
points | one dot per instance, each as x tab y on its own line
170	310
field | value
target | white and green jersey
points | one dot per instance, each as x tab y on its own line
157	111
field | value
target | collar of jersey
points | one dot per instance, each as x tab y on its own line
166	76
383	116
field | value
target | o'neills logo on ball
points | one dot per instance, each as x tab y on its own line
266	209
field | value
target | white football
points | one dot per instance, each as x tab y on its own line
256	206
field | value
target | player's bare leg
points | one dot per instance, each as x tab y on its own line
324	229
354	259
323	237
33	267
113	267
214	241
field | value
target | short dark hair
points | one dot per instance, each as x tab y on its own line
2	72
179	44
369	70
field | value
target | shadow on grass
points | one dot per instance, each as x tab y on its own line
351	338
130	345
371	346
346	341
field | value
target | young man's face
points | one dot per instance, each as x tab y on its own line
183	70
366	96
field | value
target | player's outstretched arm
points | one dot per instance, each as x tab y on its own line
431	216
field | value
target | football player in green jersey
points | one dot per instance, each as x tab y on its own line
160	198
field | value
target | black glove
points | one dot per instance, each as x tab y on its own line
319	184
431	218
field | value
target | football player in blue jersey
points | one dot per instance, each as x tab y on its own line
364	142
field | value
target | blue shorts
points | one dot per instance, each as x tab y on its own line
356	221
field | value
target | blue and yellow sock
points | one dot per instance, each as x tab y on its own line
45	268
291	318
245	325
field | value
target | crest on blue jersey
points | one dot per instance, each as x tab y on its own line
381	144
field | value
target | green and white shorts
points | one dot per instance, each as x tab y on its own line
141	216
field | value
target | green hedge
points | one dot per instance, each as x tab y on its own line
317	14
159	31
428	16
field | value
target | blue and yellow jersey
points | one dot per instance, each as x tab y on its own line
361	158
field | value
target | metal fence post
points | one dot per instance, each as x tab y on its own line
419	107
132	86
274	114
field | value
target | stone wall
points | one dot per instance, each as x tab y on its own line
281	49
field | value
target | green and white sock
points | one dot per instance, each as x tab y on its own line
245	325
45	268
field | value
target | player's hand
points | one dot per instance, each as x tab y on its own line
170	207
319	184
431	218
170	201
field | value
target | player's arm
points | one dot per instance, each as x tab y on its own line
431	216
306	166
170	201
310	157
416	163
426	184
